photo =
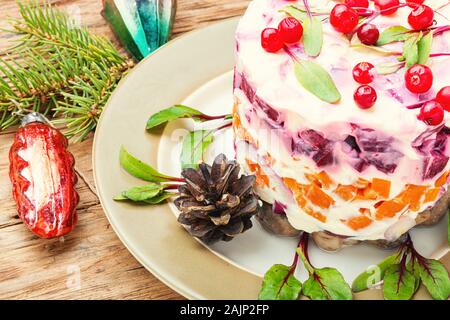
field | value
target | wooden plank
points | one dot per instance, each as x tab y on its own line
32	268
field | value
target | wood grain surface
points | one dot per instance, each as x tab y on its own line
90	262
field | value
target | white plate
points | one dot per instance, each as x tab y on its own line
195	70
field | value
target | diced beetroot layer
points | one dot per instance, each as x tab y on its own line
240	82
368	147
315	145
432	144
364	146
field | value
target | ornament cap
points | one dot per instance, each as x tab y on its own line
34	117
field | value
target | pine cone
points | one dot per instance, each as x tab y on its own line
215	203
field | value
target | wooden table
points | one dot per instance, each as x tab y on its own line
91	262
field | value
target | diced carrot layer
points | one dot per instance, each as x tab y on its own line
325	179
262	180
236	120
364	211
431	195
442	180
321	179
412	196
381	187
241	133
389	209
313	179
362	183
318	197
360	222
347	193
291	184
301	201
366	194
315	214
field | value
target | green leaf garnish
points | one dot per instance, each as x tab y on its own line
435	278
312	36
173	113
379	50
142	193
389	68
327	284
393	34
160	198
139	169
413	268
424	48
280	284
153	193
316	80
295	12
399	283
411	49
194	145
369	278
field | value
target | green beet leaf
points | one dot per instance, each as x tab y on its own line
139	169
327	284
411	50
194	146
414	269
143	193
173	113
160	198
435	278
389	68
372	276
393	34
280	284
379	50
295	12
312	36
399	283
424	48
317	80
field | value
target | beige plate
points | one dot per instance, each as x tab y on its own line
152	234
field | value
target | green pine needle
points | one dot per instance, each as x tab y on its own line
64	71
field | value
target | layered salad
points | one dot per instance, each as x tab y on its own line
341	113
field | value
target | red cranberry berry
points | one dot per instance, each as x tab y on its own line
363	72
271	40
343	18
419	78
368	34
387	7
358	5
414	3
290	30
421	17
431	113
443	98
365	96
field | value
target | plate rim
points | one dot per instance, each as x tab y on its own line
150	266
152	269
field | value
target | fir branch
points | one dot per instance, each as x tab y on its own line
64	72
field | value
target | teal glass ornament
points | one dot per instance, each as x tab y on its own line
142	26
